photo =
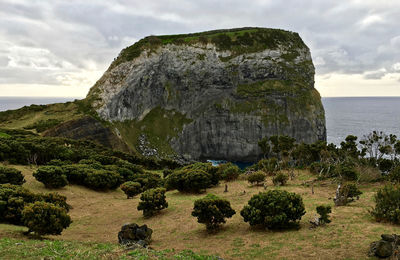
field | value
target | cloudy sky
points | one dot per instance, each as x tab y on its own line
61	47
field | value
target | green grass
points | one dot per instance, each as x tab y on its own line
238	41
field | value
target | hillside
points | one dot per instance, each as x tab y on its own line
98	216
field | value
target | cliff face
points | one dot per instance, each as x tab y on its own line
211	95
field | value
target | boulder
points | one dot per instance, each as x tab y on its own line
133	235
386	247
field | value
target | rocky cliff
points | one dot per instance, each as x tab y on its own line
211	95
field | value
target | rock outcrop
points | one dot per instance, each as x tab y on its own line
211	95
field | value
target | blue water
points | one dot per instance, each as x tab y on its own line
361	115
352	115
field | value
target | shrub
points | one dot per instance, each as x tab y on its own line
166	172
51	176
231	173
270	166
77	173
189	180
394	175
228	171
323	211
152	201
54	198
148	180
256	177
212	211
280	179
274	209
348	173
387	204
369	174
131	188
103	180
13	199
11	175
350	190
214	174
45	218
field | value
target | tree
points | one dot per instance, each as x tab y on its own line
377	144
152	201
212	211
45	218
274	209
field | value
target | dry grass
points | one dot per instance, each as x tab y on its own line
98	216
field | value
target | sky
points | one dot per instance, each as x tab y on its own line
61	47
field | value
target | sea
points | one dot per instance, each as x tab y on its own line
344	115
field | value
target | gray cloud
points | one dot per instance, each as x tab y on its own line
42	39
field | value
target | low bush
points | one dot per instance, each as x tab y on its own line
212	211
45	218
324	211
257	177
385	165
351	191
103	180
280	179
131	188
13	199
214	174
11	175
189	181
228	171
51	176
152	201
387	204
167	172
274	209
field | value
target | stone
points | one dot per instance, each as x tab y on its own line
135	235
388	246
384	249
213	101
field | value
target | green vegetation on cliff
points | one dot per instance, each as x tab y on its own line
156	128
238	41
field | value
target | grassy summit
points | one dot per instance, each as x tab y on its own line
238	41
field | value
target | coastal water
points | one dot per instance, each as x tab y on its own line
7	103
351	115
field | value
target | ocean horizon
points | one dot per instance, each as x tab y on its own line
344	115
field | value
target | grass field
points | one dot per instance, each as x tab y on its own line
98	216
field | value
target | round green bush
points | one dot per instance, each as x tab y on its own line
103	180
350	190
387	204
131	188
11	175
54	198
274	209
256	177
152	201
51	176
189	180
270	165
280	179
228	171
212	211
45	218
